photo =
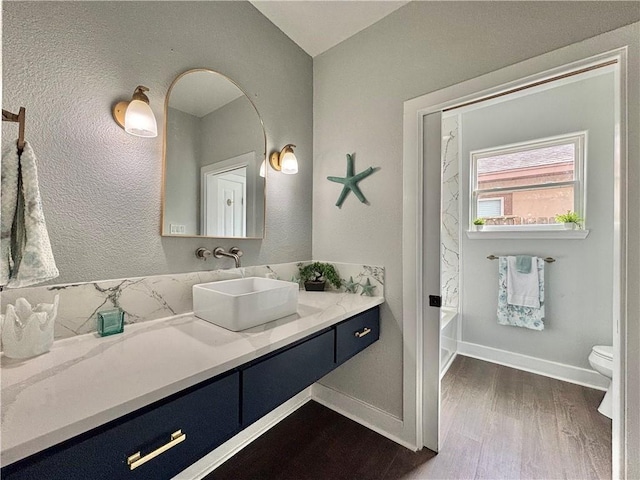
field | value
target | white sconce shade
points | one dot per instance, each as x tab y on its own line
139	120
289	164
136	116
285	161
263	168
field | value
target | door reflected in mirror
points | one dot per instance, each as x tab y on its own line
214	146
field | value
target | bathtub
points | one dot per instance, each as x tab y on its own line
447	315
448	337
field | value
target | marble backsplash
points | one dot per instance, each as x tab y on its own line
150	298
450	232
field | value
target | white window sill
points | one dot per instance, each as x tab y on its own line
523	234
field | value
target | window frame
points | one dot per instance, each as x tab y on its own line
579	139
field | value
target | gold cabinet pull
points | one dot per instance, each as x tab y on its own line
135	460
363	332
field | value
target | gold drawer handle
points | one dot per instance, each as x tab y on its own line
363	332
135	460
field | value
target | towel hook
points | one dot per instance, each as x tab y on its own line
19	118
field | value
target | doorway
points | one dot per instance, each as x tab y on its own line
423	142
225	205
223	197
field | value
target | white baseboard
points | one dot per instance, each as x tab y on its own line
367	415
378	420
371	417
548	368
217	457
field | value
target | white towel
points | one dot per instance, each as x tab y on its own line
26	256
522	288
516	315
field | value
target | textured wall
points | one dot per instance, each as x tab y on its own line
359	89
69	62
578	287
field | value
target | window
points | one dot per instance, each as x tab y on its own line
526	185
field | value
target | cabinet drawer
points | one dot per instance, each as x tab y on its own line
207	414
275	380
356	334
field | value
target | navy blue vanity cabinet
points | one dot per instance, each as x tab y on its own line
186	426
356	334
207	415
274	380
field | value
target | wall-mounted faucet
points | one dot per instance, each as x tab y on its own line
234	253
219	252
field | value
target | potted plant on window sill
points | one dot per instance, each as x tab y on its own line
316	275
479	224
571	220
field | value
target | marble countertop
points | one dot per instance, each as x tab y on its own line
86	381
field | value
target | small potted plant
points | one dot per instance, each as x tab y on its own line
570	219
316	275
479	223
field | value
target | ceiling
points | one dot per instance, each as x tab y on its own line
318	25
201	92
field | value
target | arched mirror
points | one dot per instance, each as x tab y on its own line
215	146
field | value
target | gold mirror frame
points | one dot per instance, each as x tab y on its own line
164	159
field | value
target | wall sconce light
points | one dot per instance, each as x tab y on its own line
263	168
285	161
136	116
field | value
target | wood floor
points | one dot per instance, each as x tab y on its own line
497	423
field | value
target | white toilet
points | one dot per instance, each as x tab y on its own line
601	359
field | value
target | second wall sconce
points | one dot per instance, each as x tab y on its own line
285	160
136	116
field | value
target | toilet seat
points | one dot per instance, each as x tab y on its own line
603	351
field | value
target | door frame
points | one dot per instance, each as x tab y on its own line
244	160
539	68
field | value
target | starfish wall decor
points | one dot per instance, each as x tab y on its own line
350	182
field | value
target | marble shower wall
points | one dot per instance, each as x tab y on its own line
450	233
150	298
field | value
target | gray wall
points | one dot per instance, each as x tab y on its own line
578	287
69	62
359	89
230	131
182	195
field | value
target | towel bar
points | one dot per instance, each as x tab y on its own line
547	259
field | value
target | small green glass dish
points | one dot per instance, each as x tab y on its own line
110	322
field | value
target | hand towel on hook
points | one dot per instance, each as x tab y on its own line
26	256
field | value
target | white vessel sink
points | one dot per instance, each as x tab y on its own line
245	302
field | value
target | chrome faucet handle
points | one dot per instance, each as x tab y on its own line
203	253
236	251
